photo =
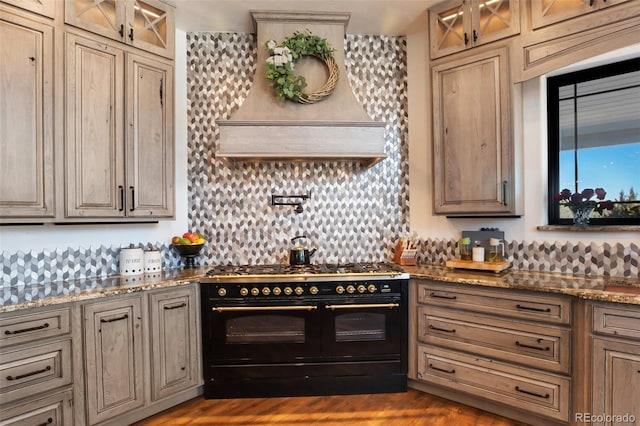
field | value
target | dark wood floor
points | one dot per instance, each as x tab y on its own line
397	409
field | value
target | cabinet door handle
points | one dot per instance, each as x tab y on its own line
592	3
475	36
505	184
121	189
538	348
466	39
25	330
48	422
121	30
545	396
33	373
182	305
445	330
433	367
133	199
531	308
442	296
125	316
161	90
131	34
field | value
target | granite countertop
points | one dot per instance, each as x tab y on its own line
608	289
53	293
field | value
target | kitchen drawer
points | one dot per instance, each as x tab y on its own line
517	304
542	393
623	321
28	326
539	346
52	410
28	371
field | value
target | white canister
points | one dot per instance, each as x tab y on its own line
131	261
477	254
152	261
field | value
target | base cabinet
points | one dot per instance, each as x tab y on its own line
37	374
615	370
141	354
507	348
174	343
113	357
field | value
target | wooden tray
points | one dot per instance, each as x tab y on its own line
478	266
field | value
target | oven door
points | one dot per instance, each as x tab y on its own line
365	328
264	332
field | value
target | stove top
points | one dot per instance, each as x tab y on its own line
305	272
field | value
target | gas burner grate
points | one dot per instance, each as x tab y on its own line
284	269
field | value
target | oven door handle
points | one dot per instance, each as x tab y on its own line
263	308
363	306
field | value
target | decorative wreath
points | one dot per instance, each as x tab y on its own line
281	63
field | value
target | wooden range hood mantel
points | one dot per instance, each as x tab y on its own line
336	128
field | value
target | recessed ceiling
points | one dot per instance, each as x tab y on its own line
390	17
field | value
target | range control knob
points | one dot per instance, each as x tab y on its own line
372	288
276	291
339	289
266	291
255	291
288	291
244	291
351	289
299	290
222	292
361	288
313	289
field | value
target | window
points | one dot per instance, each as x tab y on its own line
594	140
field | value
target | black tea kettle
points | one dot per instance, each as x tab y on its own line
300	255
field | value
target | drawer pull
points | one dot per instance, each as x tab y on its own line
33	373
444	330
182	305
25	330
441	296
433	367
545	396
538	348
48	422
532	308
125	316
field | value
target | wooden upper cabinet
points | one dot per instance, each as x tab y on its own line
113	170
547	12
146	24
456	25
94	153
473	147
150	152
41	7
26	111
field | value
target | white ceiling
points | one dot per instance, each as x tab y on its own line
390	17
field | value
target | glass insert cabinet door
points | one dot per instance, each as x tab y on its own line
147	24
456	25
547	12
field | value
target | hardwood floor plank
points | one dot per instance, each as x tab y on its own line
412	408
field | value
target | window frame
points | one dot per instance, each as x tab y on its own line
553	133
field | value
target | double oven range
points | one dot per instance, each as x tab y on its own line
280	330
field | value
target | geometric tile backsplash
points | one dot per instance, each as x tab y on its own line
615	260
355	213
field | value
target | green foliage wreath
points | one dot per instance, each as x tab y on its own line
281	63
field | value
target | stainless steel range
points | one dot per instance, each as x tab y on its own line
281	330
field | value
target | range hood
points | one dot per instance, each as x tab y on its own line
335	128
